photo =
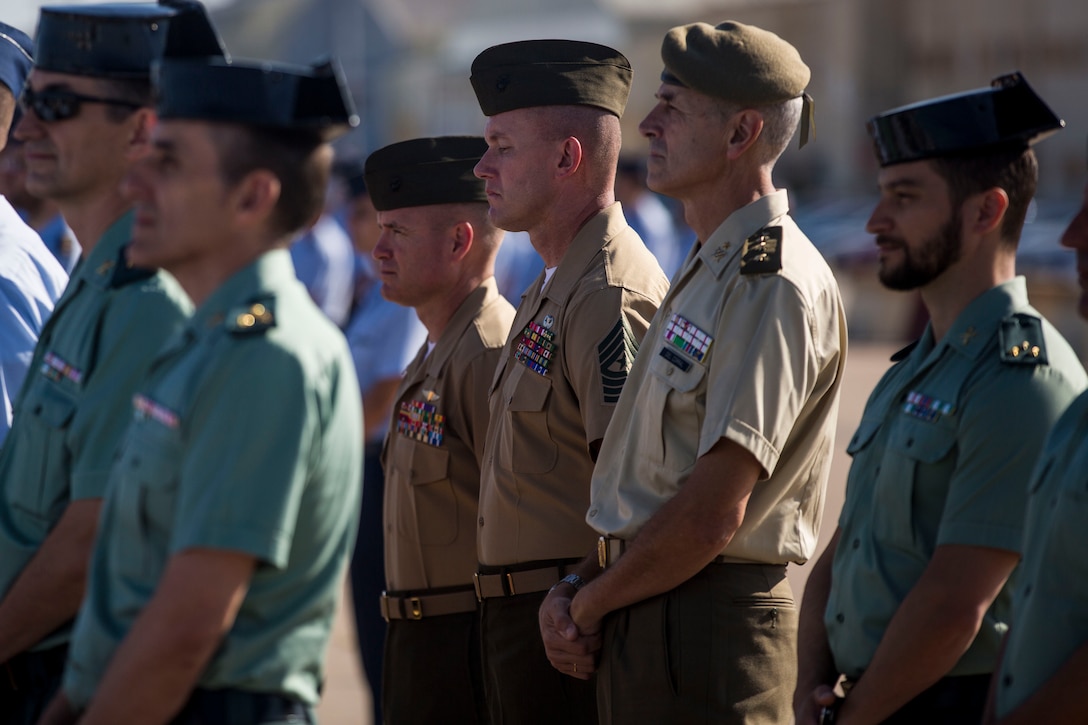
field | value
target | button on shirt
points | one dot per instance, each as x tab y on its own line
246	436
556	387
435	445
943	455
761	367
31	282
76	402
1050	604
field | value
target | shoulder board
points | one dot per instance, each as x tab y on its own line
1021	340
122	273
251	319
762	252
906	351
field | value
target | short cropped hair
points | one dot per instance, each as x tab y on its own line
295	158
1015	170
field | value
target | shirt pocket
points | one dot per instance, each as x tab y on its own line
44	485
529	447
433	514
913	484
150	467
672	396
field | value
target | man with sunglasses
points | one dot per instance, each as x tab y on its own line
85	115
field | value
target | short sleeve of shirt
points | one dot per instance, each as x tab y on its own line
141	317
243	480
599	348
762	368
1003	425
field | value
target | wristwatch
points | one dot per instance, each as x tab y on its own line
573	579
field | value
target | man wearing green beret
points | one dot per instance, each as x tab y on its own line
911	598
710	480
436	254
1044	661
553	137
234	496
86	113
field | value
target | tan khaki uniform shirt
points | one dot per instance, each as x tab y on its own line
744	350
555	389
435	444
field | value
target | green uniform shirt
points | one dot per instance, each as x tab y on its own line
943	455
1050	603
246	436
752	356
435	444
75	403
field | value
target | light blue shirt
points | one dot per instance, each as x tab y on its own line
31	282
325	263
383	337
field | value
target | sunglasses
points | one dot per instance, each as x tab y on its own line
56	104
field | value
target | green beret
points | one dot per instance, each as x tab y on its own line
532	73
740	63
426	171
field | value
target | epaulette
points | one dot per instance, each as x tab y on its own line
902	354
251	319
762	252
121	272
1021	340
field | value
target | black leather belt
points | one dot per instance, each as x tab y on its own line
422	605
521	581
214	707
28	670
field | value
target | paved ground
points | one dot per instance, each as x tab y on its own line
347	700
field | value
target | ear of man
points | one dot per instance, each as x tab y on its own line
984	212
463	236
742	132
570	158
141	123
255	197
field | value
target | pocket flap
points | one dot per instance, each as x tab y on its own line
531	392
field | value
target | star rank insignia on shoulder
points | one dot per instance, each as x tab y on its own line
251	319
1021	340
762	252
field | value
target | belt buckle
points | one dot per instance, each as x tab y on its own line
476	586
416	607
510	583
602	552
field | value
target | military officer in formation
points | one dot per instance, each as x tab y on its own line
711	476
233	499
1044	661
436	254
85	113
911	598
553	137
215	410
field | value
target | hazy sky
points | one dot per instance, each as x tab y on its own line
23	14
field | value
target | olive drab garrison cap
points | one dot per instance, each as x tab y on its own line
1007	114
268	95
530	73
426	171
121	40
740	63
